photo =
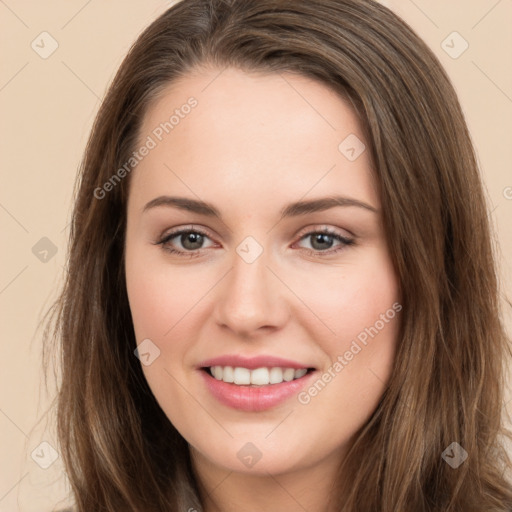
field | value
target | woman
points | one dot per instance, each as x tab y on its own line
215	354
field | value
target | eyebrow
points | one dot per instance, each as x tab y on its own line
291	210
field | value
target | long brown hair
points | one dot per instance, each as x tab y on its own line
120	450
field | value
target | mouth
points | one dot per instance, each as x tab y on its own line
257	389
258	377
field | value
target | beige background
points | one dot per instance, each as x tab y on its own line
47	108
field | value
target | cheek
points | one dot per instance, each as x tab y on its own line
159	295
159	300
367	333
351	299
149	306
360	306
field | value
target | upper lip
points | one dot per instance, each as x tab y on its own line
251	363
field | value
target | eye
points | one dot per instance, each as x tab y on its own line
190	240
321	242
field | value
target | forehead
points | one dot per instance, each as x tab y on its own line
277	133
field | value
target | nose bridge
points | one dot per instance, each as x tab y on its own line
250	297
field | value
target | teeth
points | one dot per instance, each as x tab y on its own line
257	377
275	375
242	375
228	375
260	377
217	372
288	374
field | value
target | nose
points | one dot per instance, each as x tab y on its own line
251	300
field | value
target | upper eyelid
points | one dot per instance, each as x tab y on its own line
324	227
179	231
185	228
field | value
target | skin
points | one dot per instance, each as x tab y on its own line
253	144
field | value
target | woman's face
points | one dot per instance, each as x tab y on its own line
253	168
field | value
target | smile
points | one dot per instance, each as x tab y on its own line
257	377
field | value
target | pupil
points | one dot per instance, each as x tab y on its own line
192	238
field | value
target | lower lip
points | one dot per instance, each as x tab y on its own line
253	399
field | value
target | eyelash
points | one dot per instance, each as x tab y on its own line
192	254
